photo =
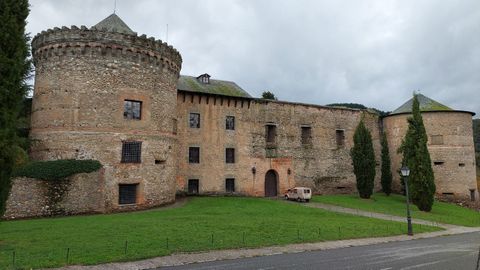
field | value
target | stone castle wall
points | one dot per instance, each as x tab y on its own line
321	165
82	79
451	150
77	194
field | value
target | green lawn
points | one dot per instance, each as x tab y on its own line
395	205
204	223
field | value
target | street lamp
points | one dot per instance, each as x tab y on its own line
405	171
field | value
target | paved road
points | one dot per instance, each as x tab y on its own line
458	252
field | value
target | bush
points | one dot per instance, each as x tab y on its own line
57	169
363	158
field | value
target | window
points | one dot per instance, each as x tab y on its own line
270	133
131	152
230	123
132	109
127	193
230	185
306	135
436	139
194	155
193	186
438	163
230	155
461	164
340	137
194	120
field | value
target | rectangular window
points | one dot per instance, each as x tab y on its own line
436	139
438	163
306	135
132	109
193	186
230	123
194	120
270	133
230	155
127	193
340	137
131	152
194	154
230	185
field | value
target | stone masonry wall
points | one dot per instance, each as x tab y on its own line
321	165
82	79
453	161
82	193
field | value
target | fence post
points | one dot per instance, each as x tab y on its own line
167	243
212	239
126	246
13	259
68	255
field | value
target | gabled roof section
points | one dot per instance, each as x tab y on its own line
426	105
214	87
113	23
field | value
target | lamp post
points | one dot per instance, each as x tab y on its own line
405	171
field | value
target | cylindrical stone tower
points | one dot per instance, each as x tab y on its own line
105	93
450	145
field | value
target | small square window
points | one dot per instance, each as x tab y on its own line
230	123
438	163
270	133
340	137
230	155
127	193
193	186
306	135
230	185
194	154
131	152
194	120
132	109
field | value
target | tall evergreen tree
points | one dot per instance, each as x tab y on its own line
363	158
14	68
386	179
416	156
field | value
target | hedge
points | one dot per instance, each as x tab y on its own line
57	169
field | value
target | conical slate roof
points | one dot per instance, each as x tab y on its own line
426	105
113	23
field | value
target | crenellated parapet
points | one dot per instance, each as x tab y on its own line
100	42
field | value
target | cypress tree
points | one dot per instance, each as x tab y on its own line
14	68
416	156
386	179
363	158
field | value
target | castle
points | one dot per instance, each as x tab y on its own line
107	94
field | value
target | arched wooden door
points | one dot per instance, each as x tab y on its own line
271	182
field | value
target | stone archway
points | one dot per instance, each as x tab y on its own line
271	184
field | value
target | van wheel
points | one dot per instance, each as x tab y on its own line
299	200
286	197
307	200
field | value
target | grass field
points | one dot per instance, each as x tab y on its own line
202	224
395	205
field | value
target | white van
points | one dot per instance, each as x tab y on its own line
299	194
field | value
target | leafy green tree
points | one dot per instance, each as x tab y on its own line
268	95
416	156
363	158
14	68
386	179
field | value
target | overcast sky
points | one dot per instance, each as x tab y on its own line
371	52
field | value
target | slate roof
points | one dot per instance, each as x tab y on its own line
215	87
426	105
113	23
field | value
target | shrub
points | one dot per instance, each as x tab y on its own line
57	169
363	158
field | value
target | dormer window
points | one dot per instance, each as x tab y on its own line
204	78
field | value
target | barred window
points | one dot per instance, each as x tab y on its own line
340	137
132	109
127	193
194	120
230	185
131	152
230	123
306	135
194	154
230	155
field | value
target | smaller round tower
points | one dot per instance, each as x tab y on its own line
106	93
450	146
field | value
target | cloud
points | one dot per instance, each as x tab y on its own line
371	52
